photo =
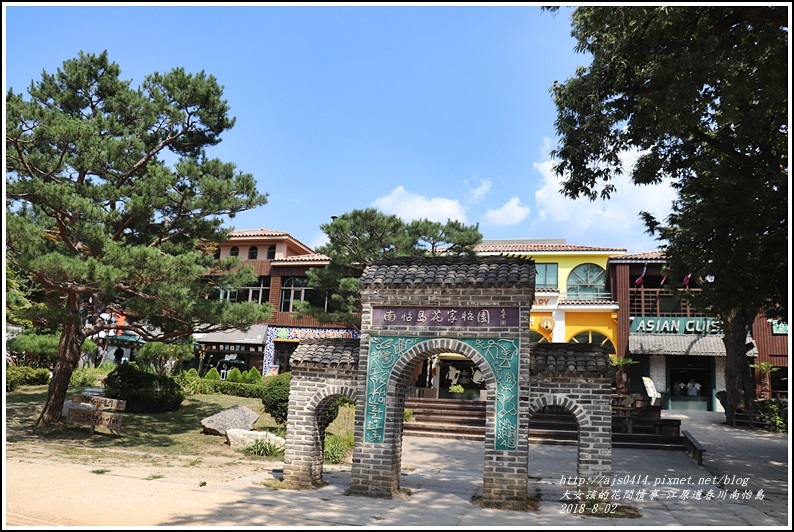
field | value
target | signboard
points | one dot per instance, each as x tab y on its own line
95	418
446	316
645	325
271	370
101	403
650	387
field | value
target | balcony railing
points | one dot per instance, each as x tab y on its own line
661	303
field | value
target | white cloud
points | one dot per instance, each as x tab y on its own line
609	223
511	213
477	193
410	206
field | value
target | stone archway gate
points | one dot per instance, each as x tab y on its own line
416	307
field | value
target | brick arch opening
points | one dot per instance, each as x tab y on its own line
322	371
399	384
588	433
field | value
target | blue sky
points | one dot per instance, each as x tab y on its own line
439	112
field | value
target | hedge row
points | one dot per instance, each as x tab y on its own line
25	376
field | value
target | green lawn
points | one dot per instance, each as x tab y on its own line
174	434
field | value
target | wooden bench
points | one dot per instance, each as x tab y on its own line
693	447
98	413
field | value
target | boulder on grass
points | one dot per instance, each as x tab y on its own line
234	417
240	439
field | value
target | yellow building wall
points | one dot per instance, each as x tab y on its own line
603	322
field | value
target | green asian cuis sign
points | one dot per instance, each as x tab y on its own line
654	325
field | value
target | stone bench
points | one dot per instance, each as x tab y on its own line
693	447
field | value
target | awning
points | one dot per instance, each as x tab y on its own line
257	334
125	339
709	345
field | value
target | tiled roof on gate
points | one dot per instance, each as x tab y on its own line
568	359
326	352
450	271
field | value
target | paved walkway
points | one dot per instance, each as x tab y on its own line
442	478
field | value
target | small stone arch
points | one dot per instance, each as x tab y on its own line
322	370
577	377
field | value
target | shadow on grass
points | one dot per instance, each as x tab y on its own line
178	432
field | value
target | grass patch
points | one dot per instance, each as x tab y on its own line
163	435
100	471
154	476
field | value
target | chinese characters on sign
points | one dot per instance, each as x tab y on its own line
446	316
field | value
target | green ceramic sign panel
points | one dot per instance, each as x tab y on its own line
500	353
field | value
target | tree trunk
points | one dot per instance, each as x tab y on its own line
739	382
68	358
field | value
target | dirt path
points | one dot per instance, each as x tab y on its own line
47	484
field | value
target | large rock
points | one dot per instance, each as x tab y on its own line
240	439
79	406
234	417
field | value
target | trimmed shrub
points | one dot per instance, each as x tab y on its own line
25	376
143	391
83	377
275	396
213	375
234	375
333	408
252	376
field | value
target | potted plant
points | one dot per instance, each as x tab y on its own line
456	391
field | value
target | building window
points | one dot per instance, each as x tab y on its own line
293	289
546	275
587	281
217	255
259	293
253	253
535	336
271	253
594	337
228	295
235	251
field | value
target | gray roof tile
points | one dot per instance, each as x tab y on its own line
450	271
569	359
326	352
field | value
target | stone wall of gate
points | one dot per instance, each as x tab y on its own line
313	386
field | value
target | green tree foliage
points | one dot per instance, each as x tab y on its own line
362	236
165	357
35	350
701	93
143	391
113	205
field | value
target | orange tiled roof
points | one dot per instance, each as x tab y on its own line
531	245
264	233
